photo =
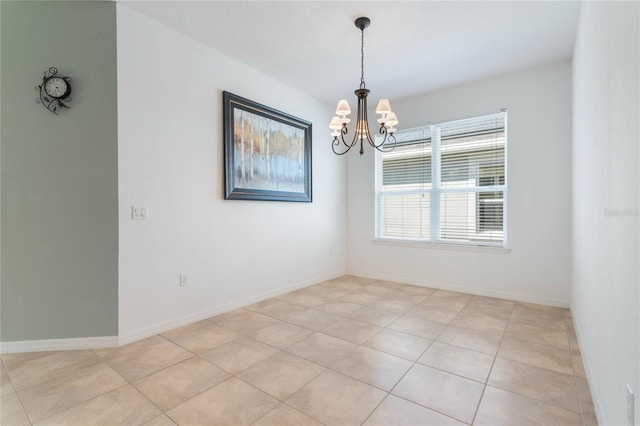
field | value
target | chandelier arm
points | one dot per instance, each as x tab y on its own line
344	132
335	143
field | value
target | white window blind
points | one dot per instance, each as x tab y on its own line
445	183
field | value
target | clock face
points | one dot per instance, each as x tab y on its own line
56	87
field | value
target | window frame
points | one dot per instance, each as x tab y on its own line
431	132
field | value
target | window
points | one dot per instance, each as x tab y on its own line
445	183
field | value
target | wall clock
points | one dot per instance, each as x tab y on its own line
54	91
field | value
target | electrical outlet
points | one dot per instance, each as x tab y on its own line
139	212
630	406
183	280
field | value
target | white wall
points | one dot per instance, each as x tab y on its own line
537	268
606	175
170	159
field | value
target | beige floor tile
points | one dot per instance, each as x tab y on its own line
442	304
536	334
232	402
531	312
578	366
109	353
281	374
314	320
361	298
376	290
538	355
201	337
453	359
29	369
328	292
431	314
471	339
573	341
418	327
64	392
396	306
479	321
161	420
277	309
400	344
239	354
6	386
306	300
283	415
491	303
123	406
534	382
451	296
542	322
148	358
334	399
174	385
243	321
584	394
374	316
352	330
400	412
417	290
454	396
322	349
11	411
281	334
338	307
499	407
373	367
589	420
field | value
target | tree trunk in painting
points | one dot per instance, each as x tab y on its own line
252	155
242	159
268	154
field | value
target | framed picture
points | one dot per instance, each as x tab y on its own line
267	153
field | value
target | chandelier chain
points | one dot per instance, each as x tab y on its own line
362	85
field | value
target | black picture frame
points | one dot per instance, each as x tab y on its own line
267	153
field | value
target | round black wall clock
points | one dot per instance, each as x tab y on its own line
54	91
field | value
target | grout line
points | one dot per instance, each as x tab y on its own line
493	363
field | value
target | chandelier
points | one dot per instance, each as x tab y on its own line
339	122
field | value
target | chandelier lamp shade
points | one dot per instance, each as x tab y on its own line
387	121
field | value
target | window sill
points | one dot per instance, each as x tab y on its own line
442	246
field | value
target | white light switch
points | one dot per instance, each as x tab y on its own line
139	212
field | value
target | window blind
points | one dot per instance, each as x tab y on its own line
445	182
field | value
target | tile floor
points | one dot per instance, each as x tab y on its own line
350	351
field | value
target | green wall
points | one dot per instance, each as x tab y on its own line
59	174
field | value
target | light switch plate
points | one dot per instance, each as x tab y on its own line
139	212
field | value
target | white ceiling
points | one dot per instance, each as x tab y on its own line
411	47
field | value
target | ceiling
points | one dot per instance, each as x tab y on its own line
411	47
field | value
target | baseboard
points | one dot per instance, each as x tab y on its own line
123	339
58	344
595	396
142	333
464	289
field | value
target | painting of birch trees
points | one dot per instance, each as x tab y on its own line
268	153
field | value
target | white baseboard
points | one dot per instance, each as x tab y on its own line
595	396
142	333
58	344
465	289
135	335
